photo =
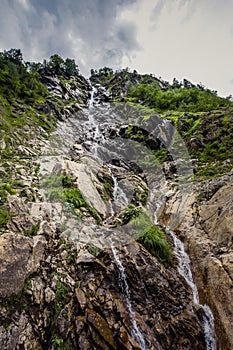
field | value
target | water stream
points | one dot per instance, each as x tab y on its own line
184	268
119	197
183	259
98	148
136	332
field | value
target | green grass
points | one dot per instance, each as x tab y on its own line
155	241
149	235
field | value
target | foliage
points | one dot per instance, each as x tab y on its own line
151	237
55	66
154	240
4	218
15	81
92	249
61	188
130	213
57	343
8	188
185	97
33	231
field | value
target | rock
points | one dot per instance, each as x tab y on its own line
15	252
38	253
85	172
101	326
217	216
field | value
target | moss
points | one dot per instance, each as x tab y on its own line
4	218
149	235
8	188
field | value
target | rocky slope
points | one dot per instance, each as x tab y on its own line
73	275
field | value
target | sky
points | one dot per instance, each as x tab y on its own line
191	39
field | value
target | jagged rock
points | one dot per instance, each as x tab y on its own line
101	326
19	335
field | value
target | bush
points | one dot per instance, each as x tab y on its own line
154	240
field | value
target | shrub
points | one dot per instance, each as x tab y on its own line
154	240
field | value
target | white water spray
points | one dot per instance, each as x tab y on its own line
136	332
185	271
119	197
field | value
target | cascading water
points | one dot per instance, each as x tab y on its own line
91	123
119	197
185	271
136	332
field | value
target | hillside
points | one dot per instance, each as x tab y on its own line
100	180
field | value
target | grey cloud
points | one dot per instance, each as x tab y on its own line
157	10
87	30
161	4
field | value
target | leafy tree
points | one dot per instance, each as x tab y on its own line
71	68
56	64
13	55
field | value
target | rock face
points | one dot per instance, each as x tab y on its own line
14	255
80	300
65	288
207	231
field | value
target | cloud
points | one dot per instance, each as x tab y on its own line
87	30
157	11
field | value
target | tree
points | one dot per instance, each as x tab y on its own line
71	68
14	55
56	64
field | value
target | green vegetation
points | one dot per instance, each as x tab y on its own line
130	213
149	235
61	188
4	218
92	249
154	240
57	343
60	297
182	97
56	66
14	303
33	231
196	111
15	80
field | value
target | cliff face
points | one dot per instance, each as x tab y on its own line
207	232
73	275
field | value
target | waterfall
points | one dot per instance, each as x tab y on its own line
136	332
184	268
97	136
93	91
119	197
